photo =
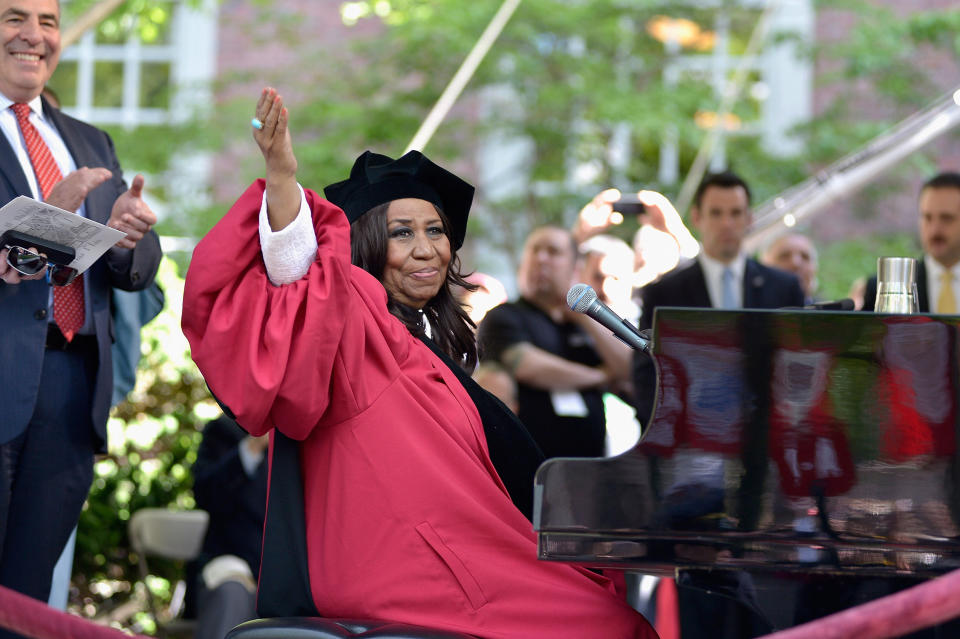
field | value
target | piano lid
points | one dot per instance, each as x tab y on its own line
801	441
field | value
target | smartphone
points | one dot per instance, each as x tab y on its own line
628	205
55	252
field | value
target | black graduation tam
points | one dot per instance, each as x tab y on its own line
376	179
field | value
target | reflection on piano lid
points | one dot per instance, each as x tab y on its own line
800	441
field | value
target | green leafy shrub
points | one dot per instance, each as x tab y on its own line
153	440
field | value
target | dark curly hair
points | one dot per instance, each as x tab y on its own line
453	330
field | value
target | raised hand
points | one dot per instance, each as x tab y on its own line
273	138
597	216
657	208
132	215
660	213
70	192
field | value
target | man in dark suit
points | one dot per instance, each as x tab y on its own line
230	483
55	384
720	277
938	271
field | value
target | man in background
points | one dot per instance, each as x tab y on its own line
795	253
561	361
938	271
56	391
720	277
230	483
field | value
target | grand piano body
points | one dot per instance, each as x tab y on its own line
782	442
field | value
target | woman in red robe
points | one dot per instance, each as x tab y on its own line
406	517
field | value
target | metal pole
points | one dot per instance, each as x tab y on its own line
848	175
730	94
463	75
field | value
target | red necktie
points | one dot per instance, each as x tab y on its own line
67	300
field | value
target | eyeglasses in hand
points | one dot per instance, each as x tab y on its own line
26	262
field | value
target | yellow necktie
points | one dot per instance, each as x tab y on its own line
946	303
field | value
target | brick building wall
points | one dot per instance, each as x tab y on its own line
255	50
890	203
267	46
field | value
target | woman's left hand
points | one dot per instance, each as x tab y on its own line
273	137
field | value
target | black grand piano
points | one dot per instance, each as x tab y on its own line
794	445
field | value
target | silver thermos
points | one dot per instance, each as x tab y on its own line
896	285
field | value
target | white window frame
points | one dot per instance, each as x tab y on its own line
191	53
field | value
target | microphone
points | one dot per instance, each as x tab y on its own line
583	299
845	304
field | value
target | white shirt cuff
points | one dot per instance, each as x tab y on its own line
289	252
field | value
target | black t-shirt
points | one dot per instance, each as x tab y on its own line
557	435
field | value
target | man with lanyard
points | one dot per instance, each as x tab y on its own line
562	361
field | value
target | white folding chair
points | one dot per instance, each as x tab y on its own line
170	534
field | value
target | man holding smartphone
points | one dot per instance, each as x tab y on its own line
662	242
56	384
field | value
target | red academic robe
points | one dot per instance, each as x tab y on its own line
406	518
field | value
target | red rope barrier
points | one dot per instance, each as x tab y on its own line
37	620
918	607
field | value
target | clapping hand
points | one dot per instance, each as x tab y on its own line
132	215
70	192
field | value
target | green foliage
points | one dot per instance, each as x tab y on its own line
843	263
149	19
573	77
153	439
881	52
573	73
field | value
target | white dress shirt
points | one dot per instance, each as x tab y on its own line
65	162
713	274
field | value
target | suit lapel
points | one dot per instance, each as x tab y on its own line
698	286
75	143
753	282
12	171
923	303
